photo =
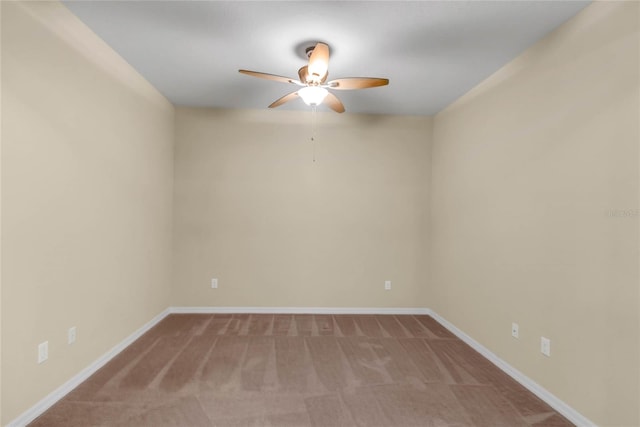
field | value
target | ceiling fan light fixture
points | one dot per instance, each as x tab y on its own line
313	77
313	95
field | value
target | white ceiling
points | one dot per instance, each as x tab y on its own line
432	51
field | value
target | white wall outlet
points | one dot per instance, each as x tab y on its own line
545	346
515	330
387	285
214	283
43	351
71	335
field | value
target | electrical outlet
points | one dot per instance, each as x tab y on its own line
43	351
515	330
71	335
545	346
387	285
214	283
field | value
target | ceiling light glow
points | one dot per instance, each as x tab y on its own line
313	95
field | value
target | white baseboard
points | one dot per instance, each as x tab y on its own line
535	388
48	401
557	404
299	310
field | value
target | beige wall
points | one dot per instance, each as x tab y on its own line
526	170
0	214
86	199
252	209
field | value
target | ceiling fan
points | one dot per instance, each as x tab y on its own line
313	81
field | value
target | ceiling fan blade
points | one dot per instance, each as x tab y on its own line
271	77
350	83
334	103
319	62
288	97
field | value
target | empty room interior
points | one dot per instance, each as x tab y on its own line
455	244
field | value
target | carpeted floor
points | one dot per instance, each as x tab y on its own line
299	370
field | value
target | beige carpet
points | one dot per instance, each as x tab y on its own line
299	370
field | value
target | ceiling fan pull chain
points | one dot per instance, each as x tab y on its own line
313	130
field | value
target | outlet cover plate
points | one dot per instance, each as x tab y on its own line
43	351
515	330
545	346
